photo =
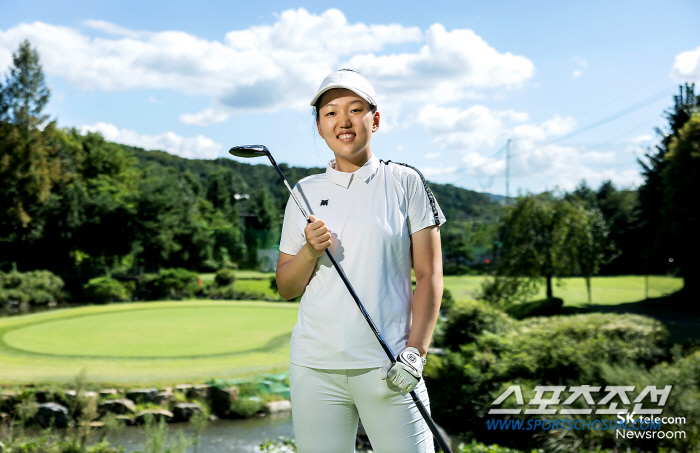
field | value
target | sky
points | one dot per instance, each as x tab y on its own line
571	91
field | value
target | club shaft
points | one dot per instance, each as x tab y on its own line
389	353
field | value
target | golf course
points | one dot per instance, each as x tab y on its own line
171	342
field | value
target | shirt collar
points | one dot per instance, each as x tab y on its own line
364	173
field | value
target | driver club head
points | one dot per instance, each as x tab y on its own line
247	151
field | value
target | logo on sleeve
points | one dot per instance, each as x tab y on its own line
324	202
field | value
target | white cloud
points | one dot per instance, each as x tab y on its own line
447	68
581	64
432	155
206	117
478	130
153	100
468	129
113	29
199	147
686	67
270	67
646	138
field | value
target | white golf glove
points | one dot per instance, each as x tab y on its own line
406	372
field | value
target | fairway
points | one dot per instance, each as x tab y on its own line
604	290
148	342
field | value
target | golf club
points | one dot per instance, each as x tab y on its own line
259	151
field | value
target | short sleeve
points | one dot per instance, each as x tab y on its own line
423	209
292	238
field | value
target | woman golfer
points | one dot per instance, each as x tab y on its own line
378	218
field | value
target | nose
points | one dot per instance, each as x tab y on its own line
344	120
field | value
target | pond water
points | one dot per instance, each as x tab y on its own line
220	436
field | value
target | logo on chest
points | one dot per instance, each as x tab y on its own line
324	202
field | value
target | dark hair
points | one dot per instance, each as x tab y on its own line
317	106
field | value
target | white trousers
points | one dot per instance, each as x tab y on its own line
326	406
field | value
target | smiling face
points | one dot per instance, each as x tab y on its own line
346	122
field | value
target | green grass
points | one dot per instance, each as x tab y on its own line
154	342
604	290
261	287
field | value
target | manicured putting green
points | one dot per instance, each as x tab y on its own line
157	332
148	342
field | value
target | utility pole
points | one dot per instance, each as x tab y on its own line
507	171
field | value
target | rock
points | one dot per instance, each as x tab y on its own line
199	392
142	395
128	420
183	412
168	390
8	398
70	394
158	414
221	399
164	399
119	406
51	414
183	388
273	407
108	392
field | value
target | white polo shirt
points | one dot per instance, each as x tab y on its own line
371	214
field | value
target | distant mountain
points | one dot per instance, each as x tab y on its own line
500	199
458	204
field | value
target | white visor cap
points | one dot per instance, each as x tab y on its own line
350	80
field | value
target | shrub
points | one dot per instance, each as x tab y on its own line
247	406
560	350
542	307
225	277
105	289
37	287
468	319
175	284
504	291
222	292
447	301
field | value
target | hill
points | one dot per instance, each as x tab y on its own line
458	204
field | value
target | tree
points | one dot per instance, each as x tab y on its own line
542	237
618	209
25	94
681	193
588	242
30	162
458	251
532	240
651	192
